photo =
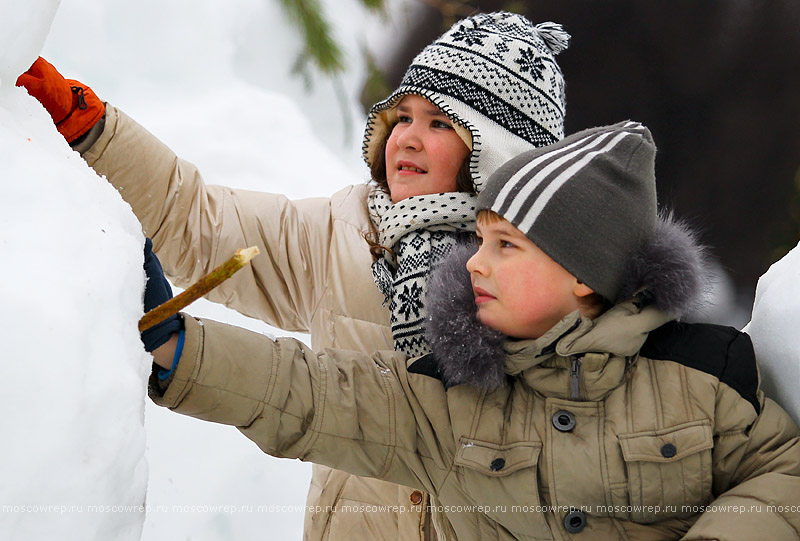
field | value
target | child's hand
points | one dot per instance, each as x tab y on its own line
73	106
156	292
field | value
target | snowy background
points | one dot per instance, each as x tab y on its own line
211	79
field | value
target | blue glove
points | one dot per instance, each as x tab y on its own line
156	292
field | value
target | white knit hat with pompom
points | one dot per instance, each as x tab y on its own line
495	75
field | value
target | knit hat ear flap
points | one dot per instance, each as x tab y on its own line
670	270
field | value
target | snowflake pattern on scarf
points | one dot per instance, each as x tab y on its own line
421	231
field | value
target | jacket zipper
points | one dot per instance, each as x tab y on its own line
575	379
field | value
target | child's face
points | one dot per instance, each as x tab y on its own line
519	290
423	153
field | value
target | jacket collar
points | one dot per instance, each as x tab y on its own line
599	349
521	355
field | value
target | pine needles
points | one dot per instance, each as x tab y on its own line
320	46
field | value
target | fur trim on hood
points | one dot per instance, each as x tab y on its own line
670	272
466	350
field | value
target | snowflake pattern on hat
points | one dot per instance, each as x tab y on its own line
469	36
530	61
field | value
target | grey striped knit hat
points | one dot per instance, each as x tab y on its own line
495	75
588	201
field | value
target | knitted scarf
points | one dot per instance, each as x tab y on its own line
420	231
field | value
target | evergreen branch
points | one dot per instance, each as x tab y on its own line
374	5
198	289
319	43
452	8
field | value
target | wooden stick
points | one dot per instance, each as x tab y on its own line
198	289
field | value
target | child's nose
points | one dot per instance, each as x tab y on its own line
410	137
475	263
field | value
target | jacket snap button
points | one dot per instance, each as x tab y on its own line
497	464
563	420
575	521
668	450
416	497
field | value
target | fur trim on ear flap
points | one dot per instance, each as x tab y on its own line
466	350
670	269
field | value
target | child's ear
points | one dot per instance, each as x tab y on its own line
581	289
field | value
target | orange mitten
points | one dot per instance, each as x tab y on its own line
72	105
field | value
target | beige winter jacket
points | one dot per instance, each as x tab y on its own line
313	275
596	437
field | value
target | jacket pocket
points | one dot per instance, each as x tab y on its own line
669	470
502	480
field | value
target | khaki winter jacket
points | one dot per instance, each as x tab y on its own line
313	275
626	427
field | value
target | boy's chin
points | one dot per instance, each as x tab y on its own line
485	318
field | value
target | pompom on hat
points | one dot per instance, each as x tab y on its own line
495	76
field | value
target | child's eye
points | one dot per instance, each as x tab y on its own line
403	119
441	124
507	244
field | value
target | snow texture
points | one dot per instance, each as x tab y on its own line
773	328
71	287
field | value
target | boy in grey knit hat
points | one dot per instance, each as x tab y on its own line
649	428
589	203
571	227
562	400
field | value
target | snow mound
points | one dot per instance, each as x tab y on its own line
72	460
773	328
23	29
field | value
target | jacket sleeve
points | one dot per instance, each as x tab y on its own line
195	227
756	472
344	409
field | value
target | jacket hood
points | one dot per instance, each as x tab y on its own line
671	270
666	278
466	350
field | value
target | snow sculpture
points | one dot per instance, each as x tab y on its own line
773	328
71	281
